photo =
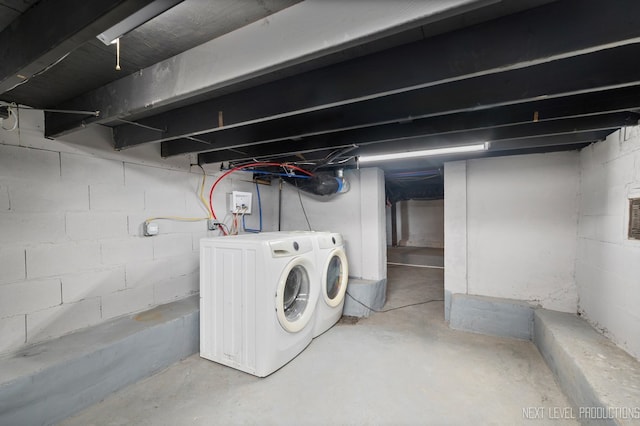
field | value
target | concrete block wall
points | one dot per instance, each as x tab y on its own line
510	229
420	223
359	215
608	263
72	253
455	232
321	212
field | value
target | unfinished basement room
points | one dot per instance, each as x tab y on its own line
319	212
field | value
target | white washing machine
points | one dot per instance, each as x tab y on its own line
258	294
334	276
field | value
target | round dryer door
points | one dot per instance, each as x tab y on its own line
293	296
335	278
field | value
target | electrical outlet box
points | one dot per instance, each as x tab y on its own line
151	229
240	202
212	224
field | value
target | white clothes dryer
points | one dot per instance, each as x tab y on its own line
258	294
334	276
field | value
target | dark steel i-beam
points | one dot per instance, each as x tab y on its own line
376	145
520	132
539	145
610	69
263	138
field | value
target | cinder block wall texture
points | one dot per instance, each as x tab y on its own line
608	262
510	228
72	253
421	223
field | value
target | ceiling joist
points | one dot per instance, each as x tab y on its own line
286	39
533	38
501	138
542	111
374	142
552	82
558	75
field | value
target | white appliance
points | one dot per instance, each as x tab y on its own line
258	294
334	276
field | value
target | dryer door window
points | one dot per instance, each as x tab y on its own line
296	293
335	278
295	302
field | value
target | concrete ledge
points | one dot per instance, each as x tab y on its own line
50	381
447	305
487	315
600	379
371	293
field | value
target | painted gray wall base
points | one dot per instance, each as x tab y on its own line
370	293
591	370
447	305
488	315
50	381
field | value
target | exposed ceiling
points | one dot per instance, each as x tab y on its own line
92	64
323	81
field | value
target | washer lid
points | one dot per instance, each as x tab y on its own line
335	278
294	304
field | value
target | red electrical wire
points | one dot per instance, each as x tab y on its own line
245	166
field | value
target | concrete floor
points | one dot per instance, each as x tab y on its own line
419	256
404	366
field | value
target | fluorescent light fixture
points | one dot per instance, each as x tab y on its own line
425	153
143	15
